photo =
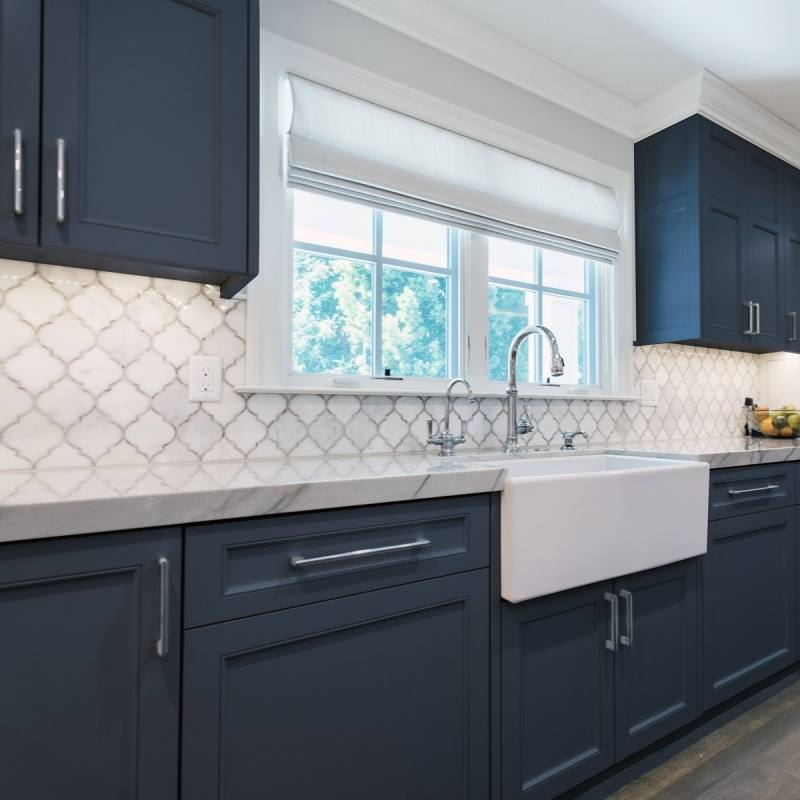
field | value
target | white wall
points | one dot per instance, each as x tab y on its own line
339	32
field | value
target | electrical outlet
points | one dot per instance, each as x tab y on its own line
205	378
649	393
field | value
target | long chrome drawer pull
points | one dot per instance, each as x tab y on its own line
768	488
61	181
613	601
162	645
300	561
18	207
793	332
627	639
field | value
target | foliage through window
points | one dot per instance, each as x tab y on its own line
376	291
529	285
372	292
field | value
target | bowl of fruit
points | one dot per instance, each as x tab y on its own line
780	423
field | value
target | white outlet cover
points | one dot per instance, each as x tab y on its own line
205	379
649	393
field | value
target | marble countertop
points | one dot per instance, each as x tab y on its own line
719	453
62	502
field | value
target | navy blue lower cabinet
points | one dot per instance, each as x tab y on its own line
383	694
89	707
749	611
557	692
657	665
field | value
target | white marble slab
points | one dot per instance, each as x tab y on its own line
45	503
62	502
720	453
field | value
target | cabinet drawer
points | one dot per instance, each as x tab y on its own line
235	569
744	490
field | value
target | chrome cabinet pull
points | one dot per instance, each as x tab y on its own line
757	307
162	645
61	181
749	330
417	544
613	601
768	488
18	205
793	320
627	639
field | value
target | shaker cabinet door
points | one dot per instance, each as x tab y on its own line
377	695
145	133
20	35
657	688
90	667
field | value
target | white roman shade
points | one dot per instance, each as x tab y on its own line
340	144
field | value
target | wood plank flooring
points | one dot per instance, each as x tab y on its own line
755	756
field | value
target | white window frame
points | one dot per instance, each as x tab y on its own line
268	355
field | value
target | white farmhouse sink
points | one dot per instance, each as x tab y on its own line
575	519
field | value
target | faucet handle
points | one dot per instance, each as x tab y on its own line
569	437
433	438
526	424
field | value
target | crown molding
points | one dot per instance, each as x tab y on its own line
463	38
707	94
458	35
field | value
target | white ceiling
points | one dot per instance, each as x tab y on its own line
640	48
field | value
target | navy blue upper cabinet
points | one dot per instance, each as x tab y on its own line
710	218
20	25
149	138
90	707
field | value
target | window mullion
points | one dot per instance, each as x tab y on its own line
377	294
474	252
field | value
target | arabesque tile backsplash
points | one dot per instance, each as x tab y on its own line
93	370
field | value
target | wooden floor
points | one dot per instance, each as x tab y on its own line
754	756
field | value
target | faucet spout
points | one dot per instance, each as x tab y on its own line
515	426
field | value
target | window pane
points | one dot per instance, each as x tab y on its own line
332	315
413	239
566	317
329	222
511	260
510	310
414	324
563	271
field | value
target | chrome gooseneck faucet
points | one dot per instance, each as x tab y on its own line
447	440
516	426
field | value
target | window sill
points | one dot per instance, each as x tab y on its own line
395	388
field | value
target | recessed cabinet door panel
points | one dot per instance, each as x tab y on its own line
724	318
792	255
723	235
764	282
749	614
557	689
146	105
379	695
20	35
658	662
88	709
